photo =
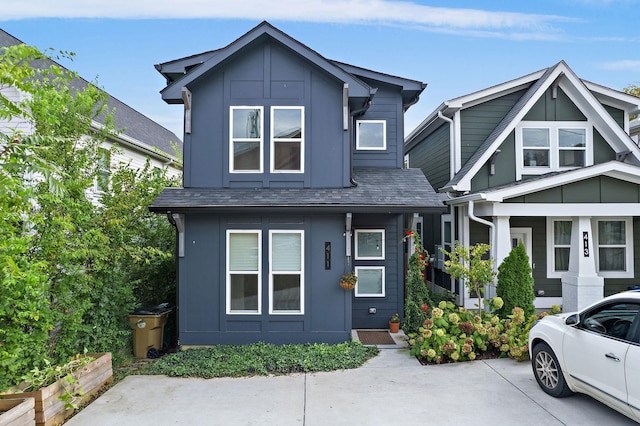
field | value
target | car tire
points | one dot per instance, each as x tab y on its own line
548	372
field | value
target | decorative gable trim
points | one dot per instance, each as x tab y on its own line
576	90
357	88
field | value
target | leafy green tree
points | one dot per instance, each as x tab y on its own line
515	283
70	269
468	264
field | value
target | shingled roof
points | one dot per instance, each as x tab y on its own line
132	123
378	190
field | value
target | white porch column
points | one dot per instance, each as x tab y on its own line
503	238
581	285
501	244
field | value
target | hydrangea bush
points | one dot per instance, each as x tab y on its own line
453	334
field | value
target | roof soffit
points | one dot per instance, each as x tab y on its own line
613	169
357	88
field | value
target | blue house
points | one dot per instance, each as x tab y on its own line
293	175
545	159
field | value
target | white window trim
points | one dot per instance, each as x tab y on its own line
551	253
273	142
629	272
301	272
384	135
357	290
554	149
106	170
382	244
232	140
228	272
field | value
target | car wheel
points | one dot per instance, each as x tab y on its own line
548	372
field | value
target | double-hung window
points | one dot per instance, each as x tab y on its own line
286	274
371	135
614	241
554	145
369	246
613	247
244	267
559	237
246	151
287	139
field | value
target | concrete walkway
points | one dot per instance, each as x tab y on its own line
392	388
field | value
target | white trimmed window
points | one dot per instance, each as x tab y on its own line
614	243
559	247
286	274
369	244
246	146
370	281
244	271
104	170
552	145
371	135
287	139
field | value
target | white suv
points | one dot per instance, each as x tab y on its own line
595	351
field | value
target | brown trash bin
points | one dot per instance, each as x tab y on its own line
148	331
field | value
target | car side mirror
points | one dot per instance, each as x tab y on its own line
572	320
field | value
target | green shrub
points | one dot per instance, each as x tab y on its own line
418	299
453	334
260	359
515	283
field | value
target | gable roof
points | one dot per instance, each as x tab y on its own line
137	129
586	96
183	71
614	169
379	190
173	92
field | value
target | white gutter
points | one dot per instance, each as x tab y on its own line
452	145
491	225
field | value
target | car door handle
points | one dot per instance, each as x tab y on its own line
612	356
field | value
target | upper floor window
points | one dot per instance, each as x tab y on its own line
371	135
287	139
546	146
246	151
104	170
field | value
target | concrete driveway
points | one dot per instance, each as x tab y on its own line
392	388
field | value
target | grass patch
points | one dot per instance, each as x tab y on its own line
260	359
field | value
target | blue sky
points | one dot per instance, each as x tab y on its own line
456	47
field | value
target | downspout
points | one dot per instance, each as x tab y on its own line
354	114
452	145
492	230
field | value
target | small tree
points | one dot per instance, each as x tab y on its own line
467	264
418	300
515	283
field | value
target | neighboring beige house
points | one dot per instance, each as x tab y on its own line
141	139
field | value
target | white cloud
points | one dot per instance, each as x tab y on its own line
335	11
624	65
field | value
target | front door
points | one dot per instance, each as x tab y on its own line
523	235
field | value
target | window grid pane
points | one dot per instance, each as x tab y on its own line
371	135
285	251
369	244
370	281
